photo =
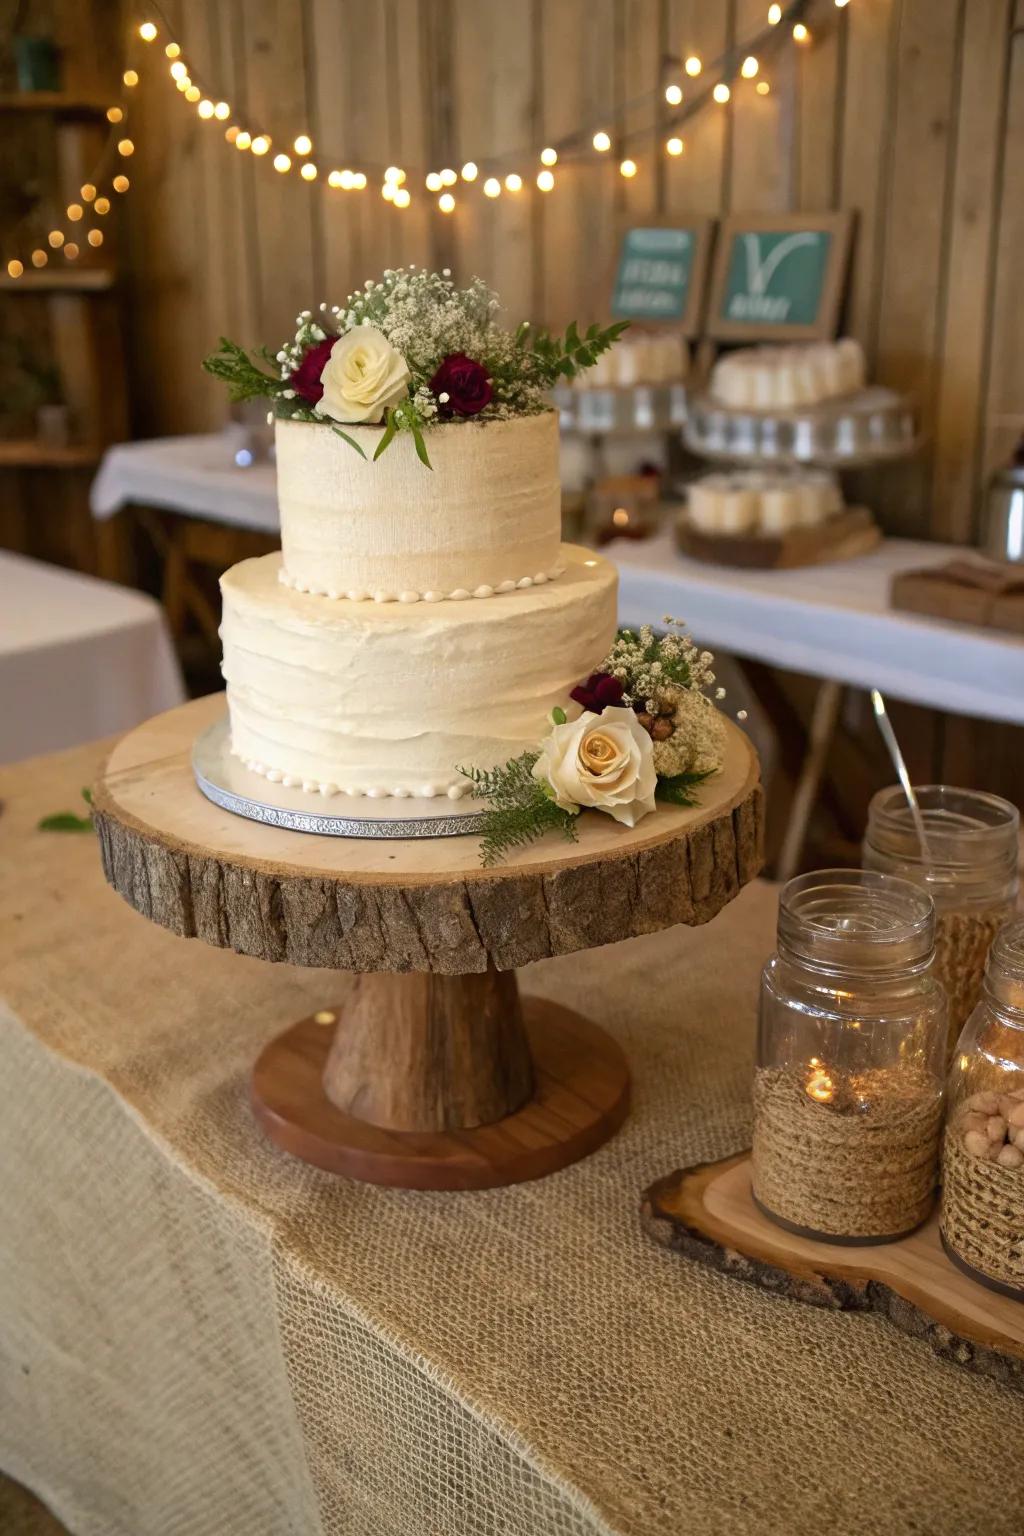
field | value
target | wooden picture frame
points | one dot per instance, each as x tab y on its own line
766	325
686	321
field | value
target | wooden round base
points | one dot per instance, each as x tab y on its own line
580	1098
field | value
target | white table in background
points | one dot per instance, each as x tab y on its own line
196	476
833	622
79	658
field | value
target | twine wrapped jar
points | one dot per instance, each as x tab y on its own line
983	1149
970	874
848	1085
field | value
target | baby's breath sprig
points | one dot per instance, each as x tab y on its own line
647	664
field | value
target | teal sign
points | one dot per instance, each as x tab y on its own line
776	277
653	277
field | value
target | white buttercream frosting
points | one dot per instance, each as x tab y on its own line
489	511
392	698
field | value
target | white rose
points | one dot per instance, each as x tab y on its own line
362	377
605	761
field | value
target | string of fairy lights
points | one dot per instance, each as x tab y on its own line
689	85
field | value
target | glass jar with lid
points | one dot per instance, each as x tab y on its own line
983	1148
969	870
851	1058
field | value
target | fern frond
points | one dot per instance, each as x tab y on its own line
521	808
678	789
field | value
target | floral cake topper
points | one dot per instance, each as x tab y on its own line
406	353
648	732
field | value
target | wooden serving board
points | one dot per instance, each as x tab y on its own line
850	533
938	596
708	1214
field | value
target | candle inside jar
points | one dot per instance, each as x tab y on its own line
820	1086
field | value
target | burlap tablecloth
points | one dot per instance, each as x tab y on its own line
201	1337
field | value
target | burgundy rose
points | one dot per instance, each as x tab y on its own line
465	383
600	691
306	379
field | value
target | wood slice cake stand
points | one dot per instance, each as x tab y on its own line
436	1075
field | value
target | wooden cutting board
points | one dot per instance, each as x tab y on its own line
708	1214
850	533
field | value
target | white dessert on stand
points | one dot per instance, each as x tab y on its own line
786	378
762	501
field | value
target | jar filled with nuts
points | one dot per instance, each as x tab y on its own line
851	1058
969	868
983	1150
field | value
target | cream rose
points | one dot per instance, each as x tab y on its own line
362	377
604	761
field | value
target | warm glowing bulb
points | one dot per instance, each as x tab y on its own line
193	93
469	171
674	146
334	179
119	184
56	238
179	70
492	187
387	191
620	517
394	176
206	108
14	269
549	157
627	168
308	171
674	95
800	33
39	258
749	67
244	140
303	144
231	132
721	92
147	31
88	192
762	87
282	163
545	180
774	15
359	180
183	84
601	141
172	50
114	114
402	198
448	177
125	147
434	182
514	182
693	66
260	144
71	251
130	78
841	3
102	204
95	237
222	111
75	212
446	202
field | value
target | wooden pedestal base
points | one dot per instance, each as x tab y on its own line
555	1086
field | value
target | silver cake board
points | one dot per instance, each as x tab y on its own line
226	781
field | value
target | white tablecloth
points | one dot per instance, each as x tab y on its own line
197	476
79	658
831	621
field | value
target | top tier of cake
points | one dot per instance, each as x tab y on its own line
484	520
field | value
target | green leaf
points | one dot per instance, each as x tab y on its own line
421	447
235	367
65	821
350	440
390	429
522	808
87	795
678	788
558	715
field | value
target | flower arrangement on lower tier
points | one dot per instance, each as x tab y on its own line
647	732
406	353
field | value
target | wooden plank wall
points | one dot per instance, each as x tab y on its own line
909	111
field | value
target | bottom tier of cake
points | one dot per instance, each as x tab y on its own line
390	699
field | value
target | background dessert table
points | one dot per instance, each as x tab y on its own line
78	658
199	1334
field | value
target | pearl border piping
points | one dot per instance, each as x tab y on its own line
361	595
453	790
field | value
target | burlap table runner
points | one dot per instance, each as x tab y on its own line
201	1337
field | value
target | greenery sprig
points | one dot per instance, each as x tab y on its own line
235	366
563	357
521	808
67	821
678	789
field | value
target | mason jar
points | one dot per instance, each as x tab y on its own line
970	872
983	1148
851	1057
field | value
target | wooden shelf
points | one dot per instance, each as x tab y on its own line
54	102
60	279
26	453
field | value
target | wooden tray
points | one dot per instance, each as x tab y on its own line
842	537
708	1214
938	596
